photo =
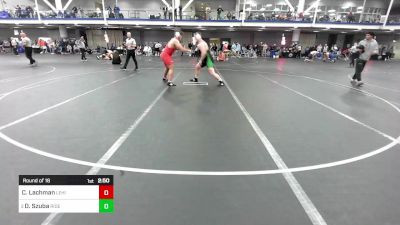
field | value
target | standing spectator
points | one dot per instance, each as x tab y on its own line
18	11
325	51
299	49
219	11
29	11
27	43
109	12
354	54
170	13
74	11
157	49
264	50
165	9
350	17
116	11
14	45
81	12
180	12
175	14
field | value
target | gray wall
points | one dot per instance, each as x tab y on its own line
32	33
244	37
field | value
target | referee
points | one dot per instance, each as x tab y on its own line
130	44
27	43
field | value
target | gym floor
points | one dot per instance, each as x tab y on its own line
284	143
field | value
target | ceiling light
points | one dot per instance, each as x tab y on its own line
360	7
343	32
277	9
268	5
316	31
331	11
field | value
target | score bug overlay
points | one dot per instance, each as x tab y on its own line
66	194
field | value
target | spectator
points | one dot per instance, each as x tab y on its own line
74	11
250	16
14	45
229	16
109	12
18	11
175	14
165	9
319	48
98	12
29	11
60	14
116	11
350	17
354	54
180	12
264	50
157	49
219	11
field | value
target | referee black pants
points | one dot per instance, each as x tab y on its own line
129	54
83	53
28	53
360	64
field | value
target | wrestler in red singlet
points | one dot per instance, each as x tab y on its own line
166	57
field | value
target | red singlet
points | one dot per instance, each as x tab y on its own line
166	56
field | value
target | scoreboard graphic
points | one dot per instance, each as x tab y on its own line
66	194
